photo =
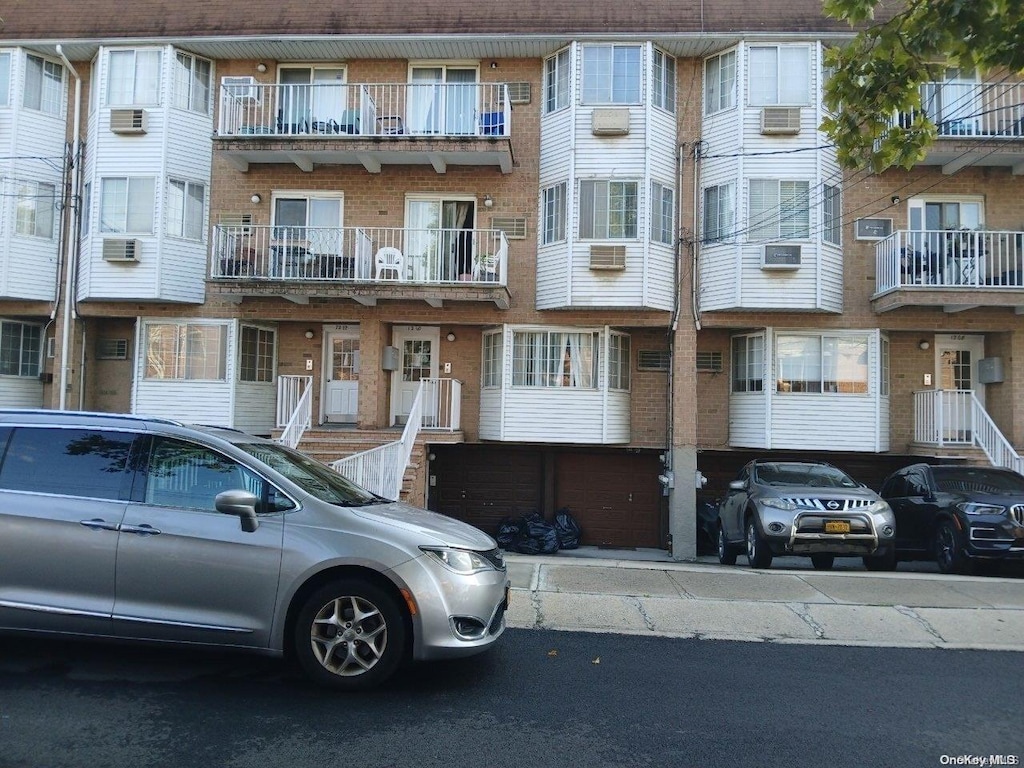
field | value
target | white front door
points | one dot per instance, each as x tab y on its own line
418	346
956	372
341	379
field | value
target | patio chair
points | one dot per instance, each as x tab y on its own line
389	261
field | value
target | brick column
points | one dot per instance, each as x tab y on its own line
372	380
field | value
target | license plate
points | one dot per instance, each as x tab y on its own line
837	526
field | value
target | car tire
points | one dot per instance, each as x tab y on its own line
758	553
350	634
726	551
822	562
883	562
949	552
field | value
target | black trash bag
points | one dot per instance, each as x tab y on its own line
567	528
536	536
508	532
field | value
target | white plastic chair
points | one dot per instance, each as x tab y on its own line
389	260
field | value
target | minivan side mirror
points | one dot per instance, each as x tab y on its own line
239	503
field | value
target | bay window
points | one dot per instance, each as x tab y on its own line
492	359
192	83
555	359
185	208
748	363
556	82
663	208
34	212
663	81
779	209
822	363
256	354
5	79
44	85
126	205
719	212
831	222
779	74
20	348
185	351
133	78
720	82
608	210
618	361
553	202
611	74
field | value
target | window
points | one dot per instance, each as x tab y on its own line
553	200
555	359
44	85
133	78
832	215
192	83
822	363
492	359
748	363
663	208
719	213
34	213
20	348
86	211
68	462
185	209
779	75
5	79
663	81
720	83
256	355
126	205
608	210
618	361
185	351
883	384
556	82
611	74
779	209
189	476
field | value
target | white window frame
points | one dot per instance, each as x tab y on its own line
553	202
822	363
832	214
557	70
140	82
24	353
44	85
559	359
747	356
719	219
619	361
663	213
125	204
720	82
185	211
602	80
663	81
190	90
491	368
778	75
778	209
193	351
257	355
5	78
608	200
35	209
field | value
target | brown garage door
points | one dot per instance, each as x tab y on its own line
615	497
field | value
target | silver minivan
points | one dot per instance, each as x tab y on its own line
145	529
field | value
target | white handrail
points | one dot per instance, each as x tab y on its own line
957	417
302	413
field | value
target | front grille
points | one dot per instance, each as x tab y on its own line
494	557
1017	513
830	504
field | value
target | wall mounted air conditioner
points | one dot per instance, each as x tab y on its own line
780	121
128	121
781	257
125	251
608	257
241	88
519	93
609	121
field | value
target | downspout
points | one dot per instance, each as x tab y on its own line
71	241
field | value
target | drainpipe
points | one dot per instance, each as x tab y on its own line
71	241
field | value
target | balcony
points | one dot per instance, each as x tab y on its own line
370	124
978	124
954	269
361	263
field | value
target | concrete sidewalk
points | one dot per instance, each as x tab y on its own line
707	600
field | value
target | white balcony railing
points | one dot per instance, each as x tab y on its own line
347	110
360	254
294	407
950	259
965	110
956	417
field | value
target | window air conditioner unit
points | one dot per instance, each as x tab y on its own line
128	121
609	122
780	120
608	257
781	257
121	250
241	88
519	93
872	229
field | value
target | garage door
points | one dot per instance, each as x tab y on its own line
615	497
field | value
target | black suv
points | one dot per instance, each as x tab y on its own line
964	517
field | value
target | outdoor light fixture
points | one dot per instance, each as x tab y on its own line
450	336
309	334
923	344
256	199
494	65
488	201
261	67
895	199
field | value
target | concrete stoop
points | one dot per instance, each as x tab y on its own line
962	454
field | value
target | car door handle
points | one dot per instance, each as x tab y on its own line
142	530
96	524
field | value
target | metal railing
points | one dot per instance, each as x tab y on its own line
359	254
294	407
956	417
442	404
958	258
966	110
346	110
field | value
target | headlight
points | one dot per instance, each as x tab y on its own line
772	501
973	508
459	560
879	507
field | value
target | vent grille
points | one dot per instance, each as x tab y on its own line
128	121
608	257
514	227
653	360
780	120
519	93
709	361
112	349
121	250
240	223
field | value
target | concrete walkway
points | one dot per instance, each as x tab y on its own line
707	600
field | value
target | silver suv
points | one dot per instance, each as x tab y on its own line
145	529
804	508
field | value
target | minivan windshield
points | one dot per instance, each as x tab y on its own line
316	479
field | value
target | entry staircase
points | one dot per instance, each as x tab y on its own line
955	423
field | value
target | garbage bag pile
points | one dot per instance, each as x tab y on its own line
533	535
